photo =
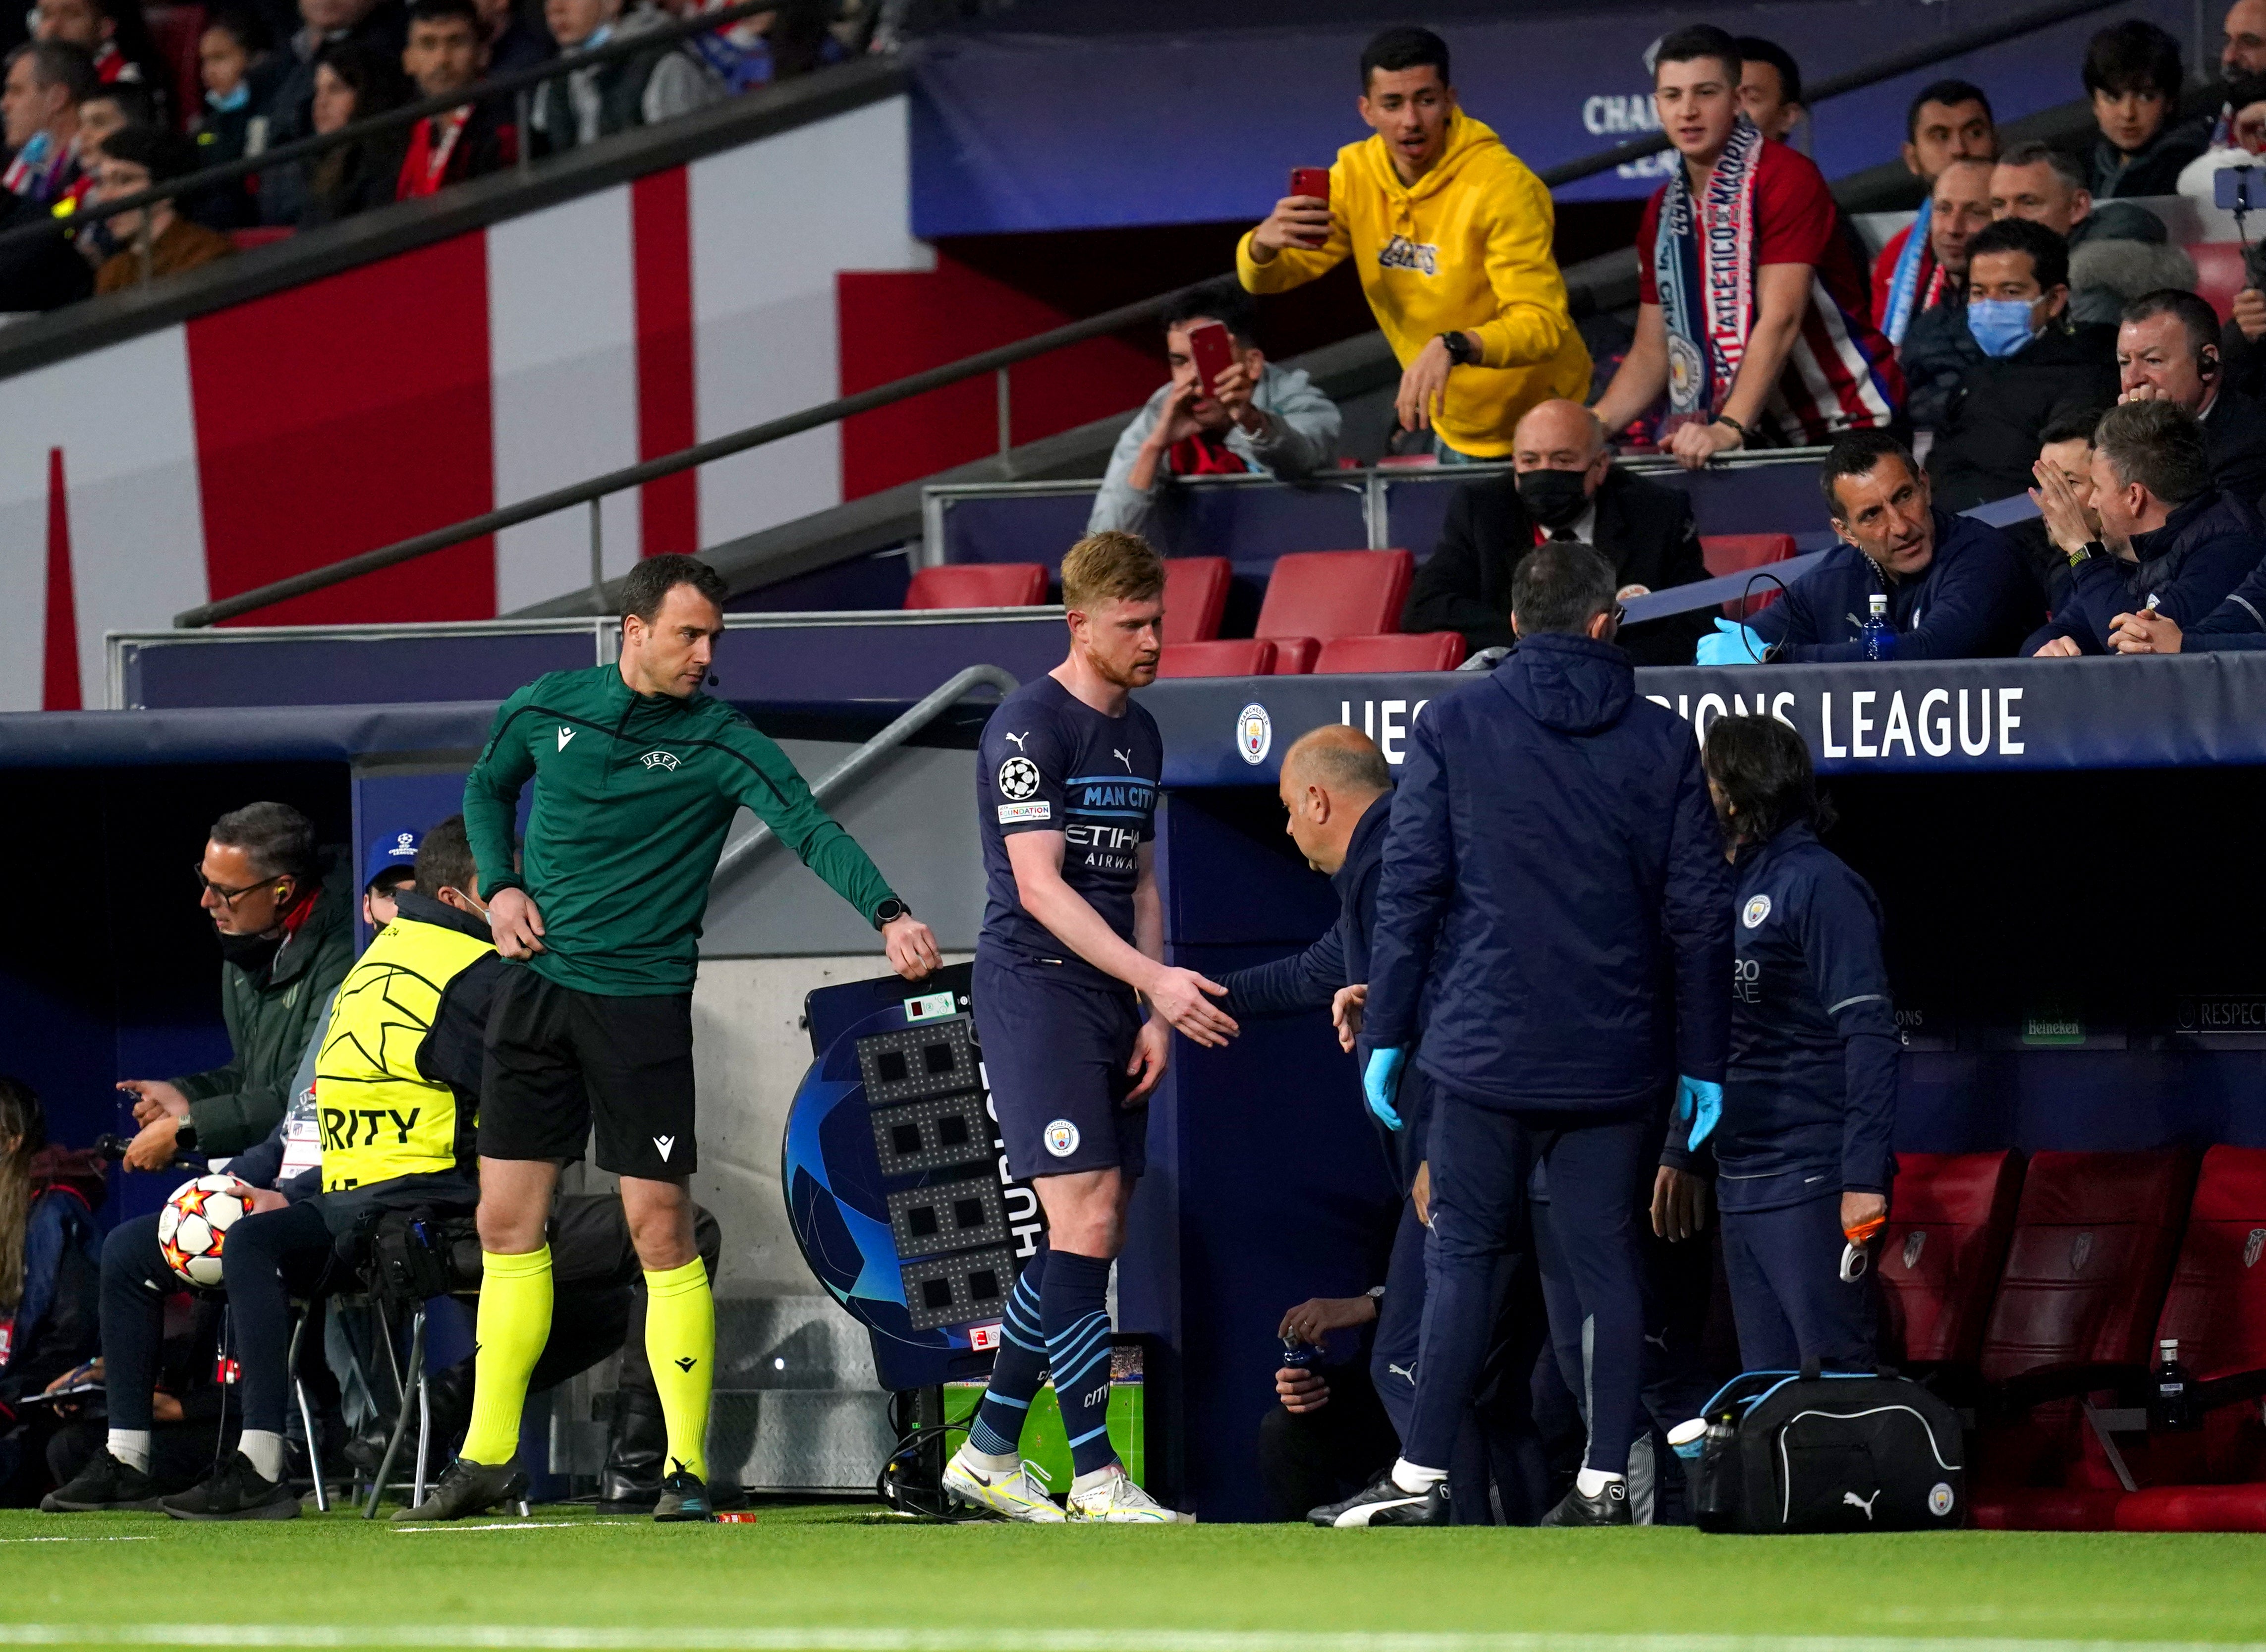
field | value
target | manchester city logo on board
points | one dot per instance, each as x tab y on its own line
1255	733
1758	910
1018	778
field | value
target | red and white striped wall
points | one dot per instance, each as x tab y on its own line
296	429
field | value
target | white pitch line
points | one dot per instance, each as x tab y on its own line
84	1539
982	1638
523	1525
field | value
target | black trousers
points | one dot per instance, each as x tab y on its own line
1307	1459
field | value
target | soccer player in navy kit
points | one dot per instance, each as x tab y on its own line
1802	1150
1073	940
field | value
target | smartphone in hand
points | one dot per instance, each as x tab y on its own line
1313	182
1213	352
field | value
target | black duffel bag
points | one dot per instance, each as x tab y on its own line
1839	1451
412	1255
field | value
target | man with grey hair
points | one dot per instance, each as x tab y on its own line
286	940
45	83
2169	543
1566	489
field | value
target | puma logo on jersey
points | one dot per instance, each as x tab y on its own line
688	1363
659	760
663	1143
1123	758
565	735
1016	740
1401	1371
1866	1503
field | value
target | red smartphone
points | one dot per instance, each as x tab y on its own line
1312	182
1212	351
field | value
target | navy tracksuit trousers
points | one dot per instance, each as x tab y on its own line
1786	1288
1481	1160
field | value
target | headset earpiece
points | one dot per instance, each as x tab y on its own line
2207	363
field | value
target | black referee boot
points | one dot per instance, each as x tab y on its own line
683	1497
1609	1507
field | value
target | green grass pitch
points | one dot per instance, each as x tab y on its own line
846	1579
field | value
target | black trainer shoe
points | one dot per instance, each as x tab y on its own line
683	1497
1385	1504
237	1491
468	1489
105	1483
1609	1507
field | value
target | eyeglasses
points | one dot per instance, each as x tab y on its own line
228	897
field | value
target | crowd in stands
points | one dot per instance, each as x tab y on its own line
1977	361
91	72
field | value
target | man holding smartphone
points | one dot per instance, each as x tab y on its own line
1452	235
1226	410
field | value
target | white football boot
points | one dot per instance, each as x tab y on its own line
1019	1496
1118	1500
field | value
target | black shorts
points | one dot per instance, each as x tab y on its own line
560	1062
1055	1052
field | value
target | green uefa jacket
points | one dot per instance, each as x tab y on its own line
634	796
271	1019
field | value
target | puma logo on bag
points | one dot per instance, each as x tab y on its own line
1866	1503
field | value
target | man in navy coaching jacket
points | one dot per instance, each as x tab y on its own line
1956	586
1554	864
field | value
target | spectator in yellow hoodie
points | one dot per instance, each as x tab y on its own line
1451	235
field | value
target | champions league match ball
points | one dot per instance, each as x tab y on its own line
193	1225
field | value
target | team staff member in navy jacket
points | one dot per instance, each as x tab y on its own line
2167	537
1553	872
1956	588
1803	1154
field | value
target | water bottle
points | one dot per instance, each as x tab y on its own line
1298	1356
2171	1401
1880	637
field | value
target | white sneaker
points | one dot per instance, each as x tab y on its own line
1119	1501
1017	1496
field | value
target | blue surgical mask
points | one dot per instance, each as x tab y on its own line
2000	326
232	101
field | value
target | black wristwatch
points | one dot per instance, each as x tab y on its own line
889	911
184	1135
1459	349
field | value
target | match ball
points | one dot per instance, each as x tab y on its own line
192	1227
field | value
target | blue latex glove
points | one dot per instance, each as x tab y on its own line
1381	1082
1732	644
1700	1104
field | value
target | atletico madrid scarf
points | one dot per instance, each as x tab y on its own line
1704	264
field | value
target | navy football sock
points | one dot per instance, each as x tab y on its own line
1015	1369
1075	1313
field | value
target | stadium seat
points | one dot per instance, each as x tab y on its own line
1424	650
261	235
1407	461
2218	275
2217	1309
1325	594
1950	1220
1727	553
978	585
1195	597
1295	656
1222	656
176	30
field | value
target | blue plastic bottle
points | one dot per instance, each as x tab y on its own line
1880	636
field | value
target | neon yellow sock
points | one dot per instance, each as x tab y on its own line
680	1342
514	1322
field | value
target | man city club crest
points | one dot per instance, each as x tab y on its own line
1685	370
1255	733
1061	1138
1758	910
2253	1245
1018	778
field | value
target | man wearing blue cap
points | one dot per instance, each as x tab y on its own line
389	868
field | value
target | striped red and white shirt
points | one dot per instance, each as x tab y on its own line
1841	374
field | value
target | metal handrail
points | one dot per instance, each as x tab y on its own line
1888	68
994	360
322	142
854	767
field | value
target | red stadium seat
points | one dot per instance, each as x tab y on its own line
176	30
1196	596
2217	1309
2218	276
1226	656
1425	651
261	235
979	585
1726	554
1407	461
1295	656
1325	594
1950	1220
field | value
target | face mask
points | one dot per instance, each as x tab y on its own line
2000	326
1553	498
230	101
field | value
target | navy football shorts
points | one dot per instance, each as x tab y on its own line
1055	1051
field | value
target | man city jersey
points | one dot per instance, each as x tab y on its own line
1051	762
